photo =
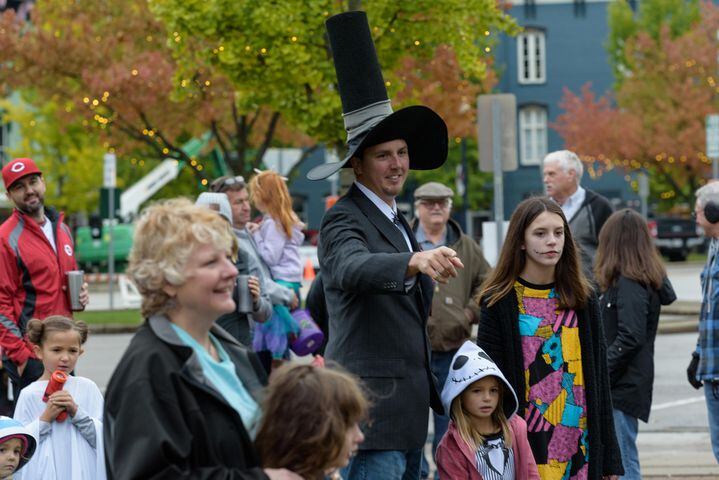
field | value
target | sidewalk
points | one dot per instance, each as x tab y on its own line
683	315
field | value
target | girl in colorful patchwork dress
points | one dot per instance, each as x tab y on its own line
540	323
485	440
278	239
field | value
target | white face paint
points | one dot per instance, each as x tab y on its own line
544	241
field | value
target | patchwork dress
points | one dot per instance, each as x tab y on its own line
556	415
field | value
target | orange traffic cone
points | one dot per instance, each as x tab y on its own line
309	273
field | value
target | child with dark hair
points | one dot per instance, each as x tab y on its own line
310	422
68	423
485	440
17	446
540	323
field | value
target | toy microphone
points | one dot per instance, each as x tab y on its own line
57	381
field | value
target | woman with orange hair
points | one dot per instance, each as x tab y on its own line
278	239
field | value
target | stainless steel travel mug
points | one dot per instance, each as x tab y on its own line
75	279
244	297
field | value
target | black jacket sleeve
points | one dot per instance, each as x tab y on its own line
490	338
632	302
612	461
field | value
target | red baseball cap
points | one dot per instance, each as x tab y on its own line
18	168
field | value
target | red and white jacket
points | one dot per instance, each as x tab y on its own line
32	277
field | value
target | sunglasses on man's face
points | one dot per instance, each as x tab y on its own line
227	182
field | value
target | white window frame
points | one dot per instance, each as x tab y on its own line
531	57
533	134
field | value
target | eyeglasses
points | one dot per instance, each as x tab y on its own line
431	202
221	182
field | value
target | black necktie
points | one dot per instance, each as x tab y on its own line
395	219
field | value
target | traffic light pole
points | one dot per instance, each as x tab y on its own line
110	182
111	247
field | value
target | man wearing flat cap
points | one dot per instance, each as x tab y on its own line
377	281
36	251
453	308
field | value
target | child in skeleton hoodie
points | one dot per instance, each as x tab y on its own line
485	440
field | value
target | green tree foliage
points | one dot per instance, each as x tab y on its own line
677	16
145	77
276	54
655	119
110	67
71	160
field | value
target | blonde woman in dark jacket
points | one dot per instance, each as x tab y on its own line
634	286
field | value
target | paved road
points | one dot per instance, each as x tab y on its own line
685	279
676	439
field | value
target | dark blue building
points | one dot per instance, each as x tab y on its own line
562	47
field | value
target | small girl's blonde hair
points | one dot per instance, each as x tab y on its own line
464	424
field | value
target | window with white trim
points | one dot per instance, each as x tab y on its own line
532	134
531	57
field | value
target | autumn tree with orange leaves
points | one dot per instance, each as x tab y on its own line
441	85
655	120
110	69
149	81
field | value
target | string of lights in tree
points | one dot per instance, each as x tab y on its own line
599	165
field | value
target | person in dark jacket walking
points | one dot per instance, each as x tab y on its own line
185	397
634	286
540	323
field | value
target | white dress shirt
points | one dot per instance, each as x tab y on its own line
571	205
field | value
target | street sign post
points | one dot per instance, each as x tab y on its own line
712	142
497	119
110	182
643	184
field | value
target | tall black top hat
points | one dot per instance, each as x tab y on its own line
366	109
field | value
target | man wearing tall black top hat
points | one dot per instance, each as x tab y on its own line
377	283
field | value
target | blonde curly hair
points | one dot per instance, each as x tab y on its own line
165	236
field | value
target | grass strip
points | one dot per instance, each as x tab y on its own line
108	317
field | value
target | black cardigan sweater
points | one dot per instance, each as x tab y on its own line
498	335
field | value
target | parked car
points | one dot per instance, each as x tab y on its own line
675	237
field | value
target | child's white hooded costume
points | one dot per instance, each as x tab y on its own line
71	449
470	364
455	458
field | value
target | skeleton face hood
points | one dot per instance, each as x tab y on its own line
470	364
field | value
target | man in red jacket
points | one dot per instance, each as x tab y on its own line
36	250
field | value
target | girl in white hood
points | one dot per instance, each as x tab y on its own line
485	440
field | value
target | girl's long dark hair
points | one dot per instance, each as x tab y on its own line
570	282
626	249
